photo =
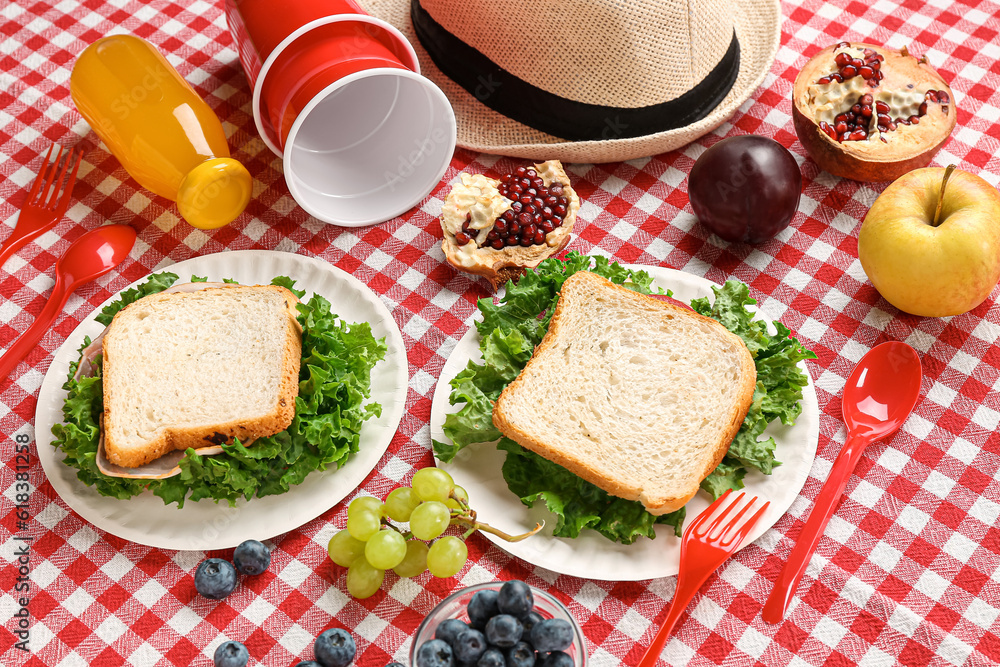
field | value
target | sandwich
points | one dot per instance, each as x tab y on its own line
613	407
637	396
215	390
197	369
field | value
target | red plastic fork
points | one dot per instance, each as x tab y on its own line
703	550
44	207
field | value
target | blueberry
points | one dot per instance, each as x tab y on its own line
215	578
552	634
251	557
492	658
308	663
482	607
557	659
449	629
533	617
515	598
334	648
231	654
469	645
435	653
521	655
504	630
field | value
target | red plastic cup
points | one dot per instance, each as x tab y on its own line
338	95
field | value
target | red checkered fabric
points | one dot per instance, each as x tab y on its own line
908	571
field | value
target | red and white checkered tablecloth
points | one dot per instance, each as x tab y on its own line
908	571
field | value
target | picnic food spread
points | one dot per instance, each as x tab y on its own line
608	401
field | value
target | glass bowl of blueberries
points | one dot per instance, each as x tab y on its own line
499	624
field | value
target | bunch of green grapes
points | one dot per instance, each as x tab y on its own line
372	544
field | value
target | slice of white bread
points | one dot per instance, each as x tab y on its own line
637	396
193	369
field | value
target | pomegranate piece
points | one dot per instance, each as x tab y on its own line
745	188
870	113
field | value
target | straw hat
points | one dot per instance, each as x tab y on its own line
588	80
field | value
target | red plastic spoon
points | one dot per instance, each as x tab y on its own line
89	257
878	397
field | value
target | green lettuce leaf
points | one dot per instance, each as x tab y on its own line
333	403
157	282
509	331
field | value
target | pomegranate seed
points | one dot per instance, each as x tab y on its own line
883	128
511	240
530	173
840	127
525	199
884	119
539	237
856	109
858	135
866	99
931	96
876	65
562	201
538	183
892	126
547	226
841	117
866	72
530	230
866	111
914	120
462	238
493	235
858	63
923	109
943	97
551	200
515	191
848	72
538	202
524	219
525	241
843	59
525	182
521	171
881	107
823	80
843	45
559	211
902	121
547	213
498	244
836	77
514	229
829	130
869	53
500	225
556	189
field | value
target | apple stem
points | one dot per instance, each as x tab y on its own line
937	213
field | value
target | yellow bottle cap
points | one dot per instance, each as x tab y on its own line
214	193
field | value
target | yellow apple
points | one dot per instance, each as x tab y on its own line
930	243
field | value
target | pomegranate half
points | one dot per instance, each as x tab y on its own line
871	113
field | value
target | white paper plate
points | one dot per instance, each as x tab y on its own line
206	524
592	556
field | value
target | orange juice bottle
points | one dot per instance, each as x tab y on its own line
163	133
